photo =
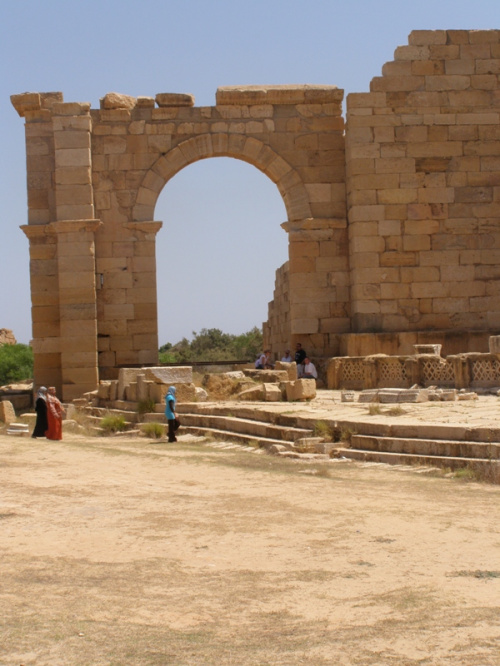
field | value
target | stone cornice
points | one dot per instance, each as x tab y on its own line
147	226
60	227
314	223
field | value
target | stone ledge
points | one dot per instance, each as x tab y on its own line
279	94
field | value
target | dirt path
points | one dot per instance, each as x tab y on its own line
117	551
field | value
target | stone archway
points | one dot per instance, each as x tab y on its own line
238	146
94	177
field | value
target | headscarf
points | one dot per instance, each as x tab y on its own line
42	393
171	389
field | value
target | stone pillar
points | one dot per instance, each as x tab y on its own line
318	282
77	306
127	296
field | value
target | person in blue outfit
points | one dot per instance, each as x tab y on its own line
173	422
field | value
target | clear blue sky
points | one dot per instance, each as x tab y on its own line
221	241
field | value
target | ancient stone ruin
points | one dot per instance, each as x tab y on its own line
7	337
392	212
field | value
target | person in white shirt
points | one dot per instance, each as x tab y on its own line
310	371
287	358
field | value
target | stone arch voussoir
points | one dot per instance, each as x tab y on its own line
238	146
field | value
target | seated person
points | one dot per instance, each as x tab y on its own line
287	358
310	371
260	363
300	355
264	361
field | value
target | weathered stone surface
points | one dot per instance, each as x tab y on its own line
7	413
114	100
169	375
267	376
7	337
200	394
428	349
254	393
174	99
291	369
494	344
185	392
279	94
300	389
272	393
309	445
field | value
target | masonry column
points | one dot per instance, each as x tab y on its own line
319	282
74	228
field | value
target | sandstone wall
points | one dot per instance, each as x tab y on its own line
423	184
276	330
393	225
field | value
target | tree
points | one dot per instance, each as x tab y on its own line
16	363
213	345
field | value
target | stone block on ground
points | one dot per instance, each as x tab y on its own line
467	396
347	396
389	395
255	393
291	369
267	376
125	377
200	394
183	393
18	429
414	395
169	375
272	393
103	390
370	395
301	389
7	413
234	374
309	445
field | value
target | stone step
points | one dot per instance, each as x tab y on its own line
427	447
246	439
18	429
389	458
250	427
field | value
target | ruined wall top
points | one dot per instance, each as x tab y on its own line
225	95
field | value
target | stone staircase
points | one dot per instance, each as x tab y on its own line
444	446
279	434
421	444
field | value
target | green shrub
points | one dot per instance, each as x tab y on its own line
322	429
153	430
113	423
146	406
16	363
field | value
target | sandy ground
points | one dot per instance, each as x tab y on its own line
124	551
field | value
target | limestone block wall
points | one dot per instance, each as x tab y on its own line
276	329
94	176
423	184
294	134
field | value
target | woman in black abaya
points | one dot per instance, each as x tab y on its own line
42	423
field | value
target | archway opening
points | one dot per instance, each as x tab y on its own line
219	248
